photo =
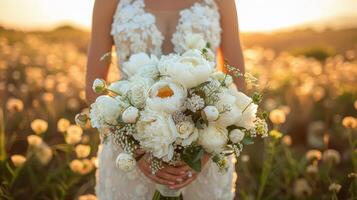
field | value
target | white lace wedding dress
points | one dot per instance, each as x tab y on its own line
135	30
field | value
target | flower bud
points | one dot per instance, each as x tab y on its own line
210	113
99	85
130	115
236	135
81	119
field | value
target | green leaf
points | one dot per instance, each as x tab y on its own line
192	157
248	141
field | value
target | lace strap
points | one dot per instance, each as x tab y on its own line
211	3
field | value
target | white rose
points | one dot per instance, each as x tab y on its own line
121	87
166	96
194	41
185	129
139	61
106	109
220	76
139	88
125	162
191	69
211	113
156	133
213	138
99	85
130	115
236	135
226	105
248	110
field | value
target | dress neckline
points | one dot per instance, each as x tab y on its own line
177	22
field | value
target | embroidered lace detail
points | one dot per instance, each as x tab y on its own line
200	18
134	30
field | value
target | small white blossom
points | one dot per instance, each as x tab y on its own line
130	115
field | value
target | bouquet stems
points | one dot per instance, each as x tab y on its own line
158	196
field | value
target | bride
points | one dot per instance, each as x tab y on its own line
158	27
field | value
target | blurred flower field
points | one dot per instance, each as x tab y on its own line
311	104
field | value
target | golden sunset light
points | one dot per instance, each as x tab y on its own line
255	15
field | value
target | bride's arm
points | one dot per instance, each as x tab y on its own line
101	42
230	42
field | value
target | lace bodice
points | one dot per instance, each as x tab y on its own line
135	30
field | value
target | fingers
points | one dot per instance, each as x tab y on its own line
176	171
159	180
169	177
185	183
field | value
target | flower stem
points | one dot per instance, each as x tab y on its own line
158	196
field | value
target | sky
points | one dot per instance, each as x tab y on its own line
254	15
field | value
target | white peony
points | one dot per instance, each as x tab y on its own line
130	115
121	87
194	41
236	135
191	69
166	96
211	113
125	162
156	133
165	62
213	138
140	62
106	109
248	110
99	85
139	87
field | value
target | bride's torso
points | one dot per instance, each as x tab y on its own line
139	28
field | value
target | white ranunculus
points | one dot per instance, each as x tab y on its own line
99	85
121	87
138	62
130	115
106	109
156	133
220	76
211	113
248	110
166	96
191	69
213	138
226	105
236	135
194	41
139	87
125	162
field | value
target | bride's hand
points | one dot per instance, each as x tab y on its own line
169	175
190	175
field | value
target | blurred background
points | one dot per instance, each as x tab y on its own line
303	52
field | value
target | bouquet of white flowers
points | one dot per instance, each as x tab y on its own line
176	108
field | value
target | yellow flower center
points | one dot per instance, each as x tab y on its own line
165	92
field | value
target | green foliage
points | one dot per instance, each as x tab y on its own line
192	156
